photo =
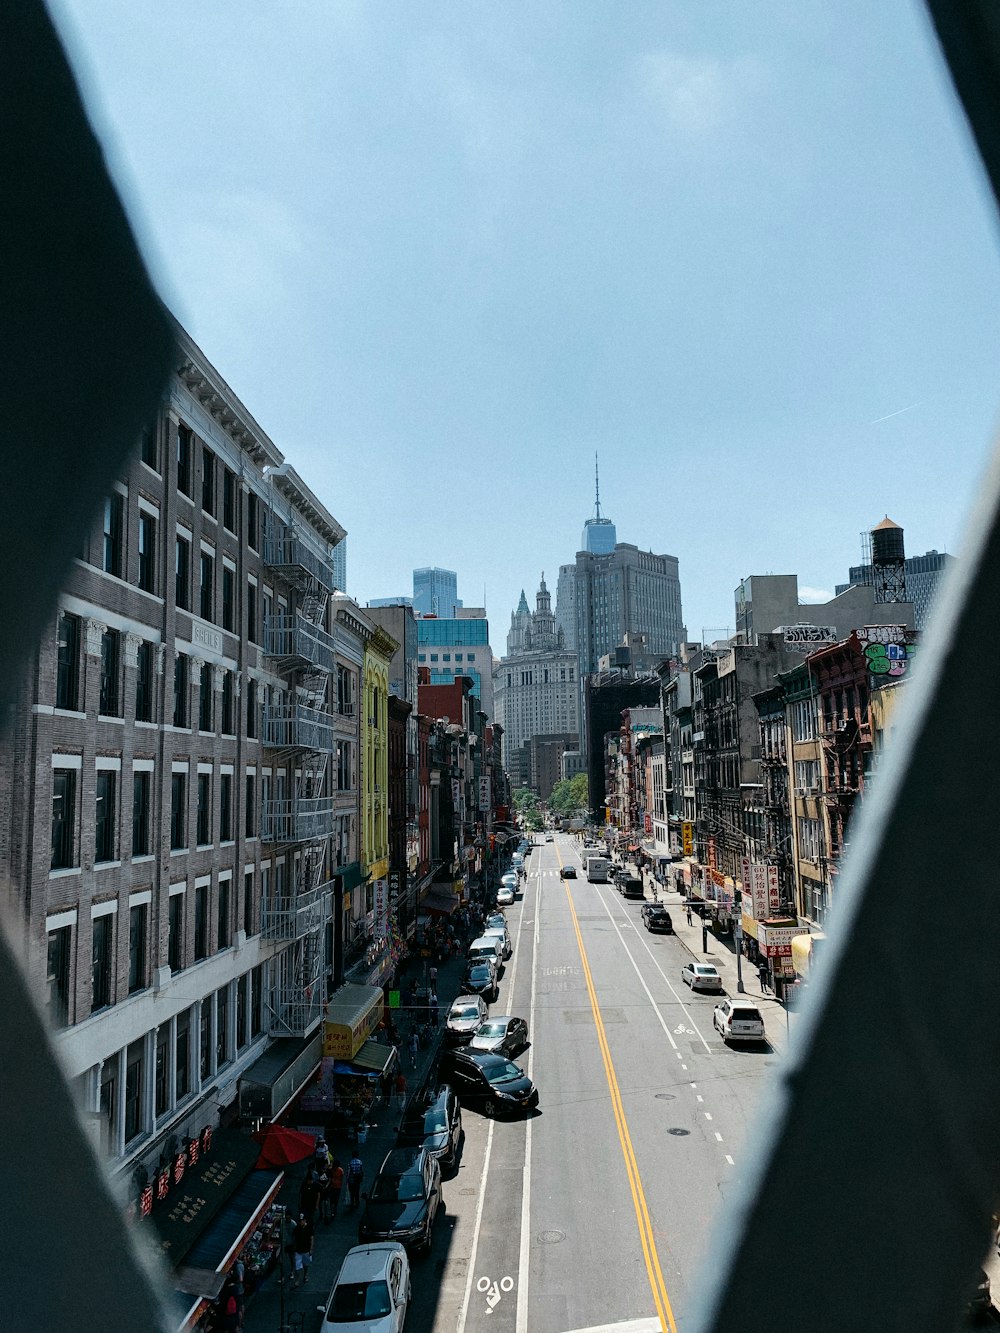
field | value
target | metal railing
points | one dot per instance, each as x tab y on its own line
291	918
293	638
286	552
301	819
297	727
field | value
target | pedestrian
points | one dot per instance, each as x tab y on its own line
309	1195
432	1007
302	1252
386	1082
322	1157
334	1187
400	1088
762	975
355	1175
414	1047
230	1310
689	916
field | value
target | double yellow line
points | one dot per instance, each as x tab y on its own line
655	1273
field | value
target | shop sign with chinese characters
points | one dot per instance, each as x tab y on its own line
775	941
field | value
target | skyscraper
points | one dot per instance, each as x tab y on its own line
626	592
599	535
435	592
339	560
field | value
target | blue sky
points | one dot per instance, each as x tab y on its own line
445	251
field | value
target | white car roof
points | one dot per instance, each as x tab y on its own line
367	1263
705	967
463	1000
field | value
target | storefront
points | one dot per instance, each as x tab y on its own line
804	953
775	940
352	1062
269	1085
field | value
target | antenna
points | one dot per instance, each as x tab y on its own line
597	488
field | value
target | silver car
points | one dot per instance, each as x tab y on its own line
501	933
504	1035
465	1017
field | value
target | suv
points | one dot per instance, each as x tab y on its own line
465	1017
436	1125
737	1019
491	1082
655	917
632	888
403	1200
372	1287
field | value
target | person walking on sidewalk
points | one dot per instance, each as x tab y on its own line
401	1088
355	1175
331	1201
690	918
302	1249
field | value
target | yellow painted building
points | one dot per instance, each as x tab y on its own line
379	650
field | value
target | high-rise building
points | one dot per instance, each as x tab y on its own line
627	592
435	592
451	646
599	534
391	601
339	559
566	605
536	691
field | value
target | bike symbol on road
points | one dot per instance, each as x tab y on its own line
680	1030
493	1289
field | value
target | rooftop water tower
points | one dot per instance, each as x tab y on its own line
888	562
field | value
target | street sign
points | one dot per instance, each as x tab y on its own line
394	999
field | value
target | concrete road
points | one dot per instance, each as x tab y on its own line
596	1212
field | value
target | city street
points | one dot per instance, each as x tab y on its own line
598	1209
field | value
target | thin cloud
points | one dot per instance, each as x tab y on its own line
815	595
889	415
698	94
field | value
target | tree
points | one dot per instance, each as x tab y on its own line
569	797
525	799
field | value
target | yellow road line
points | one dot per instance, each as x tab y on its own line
653	1270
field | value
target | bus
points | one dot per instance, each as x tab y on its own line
597	869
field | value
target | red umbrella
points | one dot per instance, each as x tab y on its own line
281	1147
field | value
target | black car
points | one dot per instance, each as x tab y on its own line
403	1200
481	979
632	887
656	917
435	1125
492	1083
568	872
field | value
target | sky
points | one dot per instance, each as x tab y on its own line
446	251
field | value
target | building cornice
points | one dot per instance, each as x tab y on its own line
286	480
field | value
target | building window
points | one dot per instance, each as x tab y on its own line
248	902
242	1011
184	460
434	657
205	1037
204	824
102	951
134	1061
222	1028
226	807
223	940
178	811
200	922
114	520
181	690
141	783
137	971
175	936
253	522
63	818
109	702
206	604
182	1056
161	1075
208	481
57	974
182	573
147	552
68	662
421	657
229	493
228	705
251	708
257	1003
145	675
206	722
252	612
228	598
250	814
148	451
104	832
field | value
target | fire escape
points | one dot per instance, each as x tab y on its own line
845	741
300	734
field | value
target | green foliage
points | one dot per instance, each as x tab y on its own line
534	821
569	797
525	799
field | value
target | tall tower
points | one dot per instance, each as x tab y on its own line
599	535
888	562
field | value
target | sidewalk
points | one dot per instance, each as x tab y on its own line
722	953
334	1239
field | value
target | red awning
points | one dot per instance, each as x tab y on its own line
282	1147
634	847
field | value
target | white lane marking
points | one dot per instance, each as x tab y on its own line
700	1098
642	980
684	1067
694	1085
628	1326
521	1322
718	1136
707	1115
682	1002
730	1160
464	1312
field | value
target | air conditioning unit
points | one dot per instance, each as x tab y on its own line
801	791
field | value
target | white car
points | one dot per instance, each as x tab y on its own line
505	895
702	976
510	879
372	1291
738	1019
465	1017
502	935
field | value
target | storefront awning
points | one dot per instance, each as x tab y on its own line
283	1070
749	926
351	1016
439	902
803	952
374	1057
182	1219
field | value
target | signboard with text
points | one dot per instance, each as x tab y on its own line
687	839
776	941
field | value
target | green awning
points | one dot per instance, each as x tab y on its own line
350	875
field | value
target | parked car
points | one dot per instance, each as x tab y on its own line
702	976
567	872
492	1083
465	1018
436	1126
655	917
503	1035
502	935
510	878
505	895
487	946
372	1291
481	979
737	1019
548	837
403	1200
495	919
632	887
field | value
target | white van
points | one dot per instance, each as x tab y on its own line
597	869
487	946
